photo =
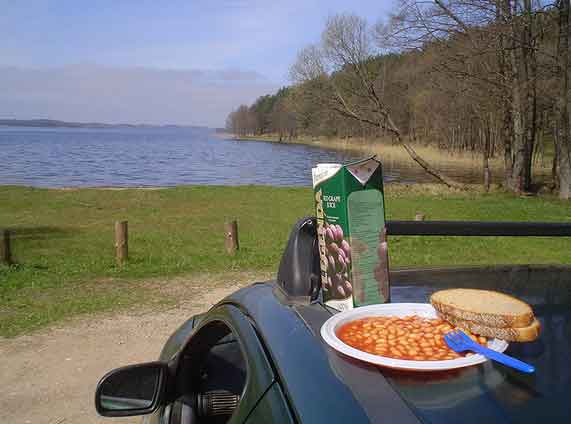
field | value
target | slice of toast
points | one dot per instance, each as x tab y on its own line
484	307
520	334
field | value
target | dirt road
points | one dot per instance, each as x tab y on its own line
50	377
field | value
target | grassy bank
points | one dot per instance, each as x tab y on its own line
385	149
391	152
63	240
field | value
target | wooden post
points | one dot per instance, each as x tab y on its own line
5	251
487	141
419	216
121	242
231	236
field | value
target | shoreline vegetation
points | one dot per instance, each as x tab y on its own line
62	240
387	151
384	149
499	87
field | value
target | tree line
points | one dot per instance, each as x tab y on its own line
269	114
484	76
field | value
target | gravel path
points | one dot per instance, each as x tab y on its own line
50	377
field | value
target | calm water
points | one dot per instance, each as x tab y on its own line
66	157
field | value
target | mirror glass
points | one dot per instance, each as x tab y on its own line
130	389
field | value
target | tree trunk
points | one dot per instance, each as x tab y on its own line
415	157
427	167
564	176
518	151
506	79
516	174
555	162
487	134
530	81
385	121
563	138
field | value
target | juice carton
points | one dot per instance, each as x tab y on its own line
351	233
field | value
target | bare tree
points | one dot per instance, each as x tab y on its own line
485	77
283	119
347	79
241	122
469	32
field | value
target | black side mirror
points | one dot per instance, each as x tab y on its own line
132	390
299	273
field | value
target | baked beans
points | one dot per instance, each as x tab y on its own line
410	337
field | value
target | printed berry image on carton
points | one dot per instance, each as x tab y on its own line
351	233
338	254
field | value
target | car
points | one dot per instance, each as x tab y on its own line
257	356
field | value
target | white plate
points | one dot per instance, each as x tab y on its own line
329	334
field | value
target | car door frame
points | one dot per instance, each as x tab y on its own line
259	371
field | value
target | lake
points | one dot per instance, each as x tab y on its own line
142	157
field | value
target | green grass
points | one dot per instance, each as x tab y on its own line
63	240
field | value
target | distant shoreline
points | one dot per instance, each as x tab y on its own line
52	123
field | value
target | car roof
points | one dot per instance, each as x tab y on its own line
321	384
325	386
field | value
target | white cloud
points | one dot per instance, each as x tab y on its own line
137	94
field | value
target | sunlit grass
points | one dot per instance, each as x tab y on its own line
63	239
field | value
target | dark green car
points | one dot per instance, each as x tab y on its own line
258	357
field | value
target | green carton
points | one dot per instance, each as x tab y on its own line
350	212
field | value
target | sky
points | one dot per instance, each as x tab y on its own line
180	62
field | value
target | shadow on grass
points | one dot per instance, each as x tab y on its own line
40	233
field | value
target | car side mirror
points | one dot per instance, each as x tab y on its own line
132	390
